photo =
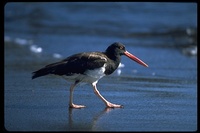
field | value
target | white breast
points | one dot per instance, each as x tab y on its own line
89	76
96	73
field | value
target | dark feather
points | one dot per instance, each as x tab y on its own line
77	63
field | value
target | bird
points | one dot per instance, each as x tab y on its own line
88	67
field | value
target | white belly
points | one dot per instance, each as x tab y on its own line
89	76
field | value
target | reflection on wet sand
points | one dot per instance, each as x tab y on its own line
91	126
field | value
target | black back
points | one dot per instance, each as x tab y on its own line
81	62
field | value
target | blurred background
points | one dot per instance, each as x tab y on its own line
163	35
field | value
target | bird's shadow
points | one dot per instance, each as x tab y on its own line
86	120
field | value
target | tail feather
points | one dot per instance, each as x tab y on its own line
54	68
41	72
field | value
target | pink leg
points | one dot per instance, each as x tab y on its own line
71	105
108	104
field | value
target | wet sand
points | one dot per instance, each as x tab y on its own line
150	103
162	97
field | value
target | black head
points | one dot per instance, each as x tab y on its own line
116	49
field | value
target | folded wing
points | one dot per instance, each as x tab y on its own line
75	64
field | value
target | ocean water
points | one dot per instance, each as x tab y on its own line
162	97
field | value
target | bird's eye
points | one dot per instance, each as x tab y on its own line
121	47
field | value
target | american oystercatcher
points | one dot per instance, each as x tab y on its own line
89	67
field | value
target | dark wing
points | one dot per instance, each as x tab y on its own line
77	63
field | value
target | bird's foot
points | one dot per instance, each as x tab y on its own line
76	106
111	105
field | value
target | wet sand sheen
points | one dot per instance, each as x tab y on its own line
158	104
160	98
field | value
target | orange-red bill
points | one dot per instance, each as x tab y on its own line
136	59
